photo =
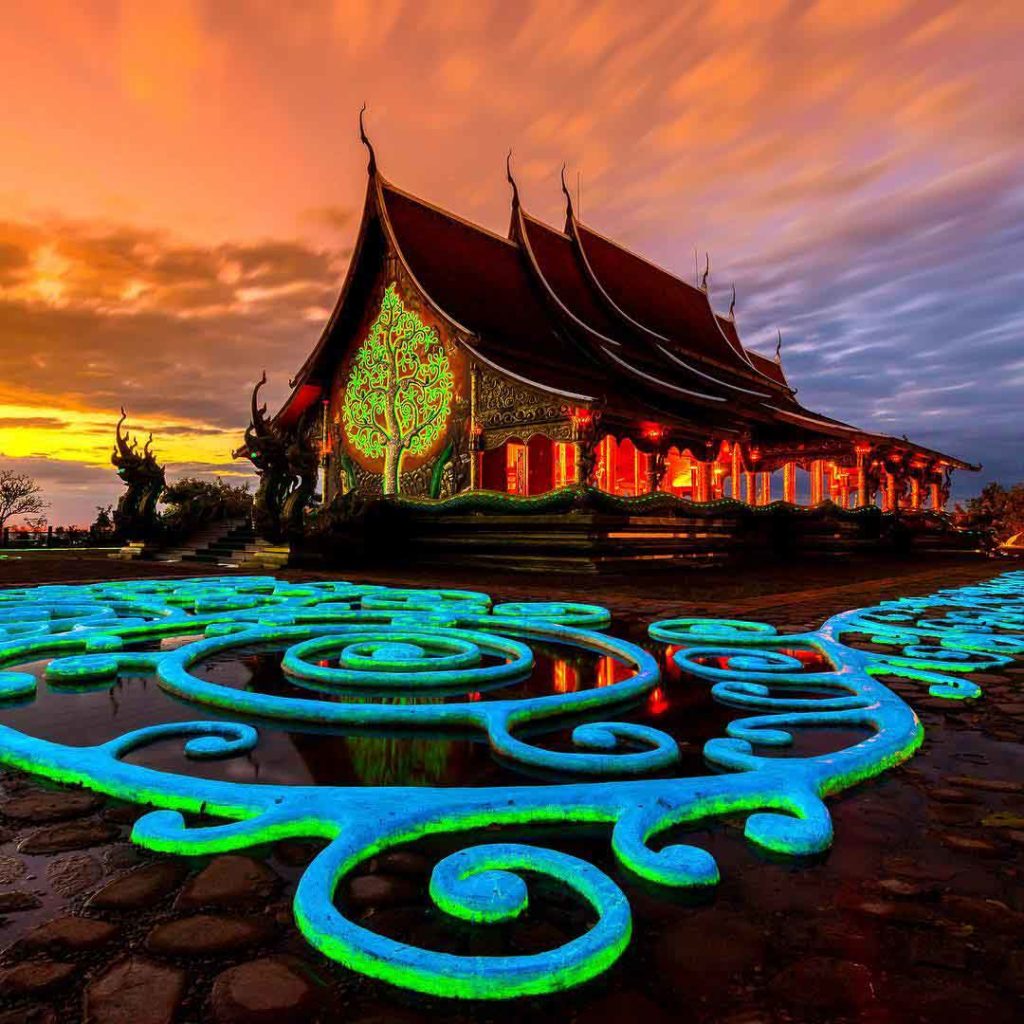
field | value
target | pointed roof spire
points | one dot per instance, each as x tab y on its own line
732	305
778	348
707	270
569	215
372	166
511	180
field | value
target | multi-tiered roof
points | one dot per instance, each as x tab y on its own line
573	313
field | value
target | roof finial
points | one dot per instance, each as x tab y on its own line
372	167
732	305
568	198
511	180
707	270
778	348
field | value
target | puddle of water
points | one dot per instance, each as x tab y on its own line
680	706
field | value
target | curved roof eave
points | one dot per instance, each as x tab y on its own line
636	371
669	354
461	331
742	365
828	425
596	340
652	337
590	399
369	209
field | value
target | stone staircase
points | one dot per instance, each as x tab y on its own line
230	548
231	542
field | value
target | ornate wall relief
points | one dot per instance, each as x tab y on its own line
506	408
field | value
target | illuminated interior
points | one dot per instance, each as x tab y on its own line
539	465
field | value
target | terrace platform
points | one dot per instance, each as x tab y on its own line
586	531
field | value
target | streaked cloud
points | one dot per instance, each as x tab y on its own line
182	185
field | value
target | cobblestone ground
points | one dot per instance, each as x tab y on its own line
917	913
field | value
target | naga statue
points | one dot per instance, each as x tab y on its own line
287	466
135	517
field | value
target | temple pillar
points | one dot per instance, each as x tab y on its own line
587	458
889	495
935	496
735	473
764	495
817	482
915	493
475	455
702	480
656	469
835	489
789	483
748	488
862	482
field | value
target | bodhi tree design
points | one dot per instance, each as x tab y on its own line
399	391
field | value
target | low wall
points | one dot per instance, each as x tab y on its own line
584	530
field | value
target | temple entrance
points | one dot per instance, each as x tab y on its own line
526	468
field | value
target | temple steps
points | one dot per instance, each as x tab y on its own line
219	543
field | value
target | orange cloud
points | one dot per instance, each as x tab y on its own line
162	50
182	180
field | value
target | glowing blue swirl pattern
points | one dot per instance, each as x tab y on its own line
425	641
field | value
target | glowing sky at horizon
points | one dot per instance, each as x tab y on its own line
181	186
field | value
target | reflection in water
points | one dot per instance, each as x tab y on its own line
400	761
657	702
385	760
105	709
566	679
101	711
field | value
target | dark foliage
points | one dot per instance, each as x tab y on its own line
998	510
191	503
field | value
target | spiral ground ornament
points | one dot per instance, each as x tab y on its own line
343	642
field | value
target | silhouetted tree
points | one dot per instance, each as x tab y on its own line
103	525
20	495
998	509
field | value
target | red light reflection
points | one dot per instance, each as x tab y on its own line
657	702
567	679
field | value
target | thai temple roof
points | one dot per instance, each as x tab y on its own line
580	316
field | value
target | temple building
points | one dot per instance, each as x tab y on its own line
457	359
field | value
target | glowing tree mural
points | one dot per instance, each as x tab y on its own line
399	391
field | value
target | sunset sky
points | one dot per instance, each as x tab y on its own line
180	186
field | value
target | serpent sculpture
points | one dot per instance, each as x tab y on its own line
287	466
352	647
135	517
